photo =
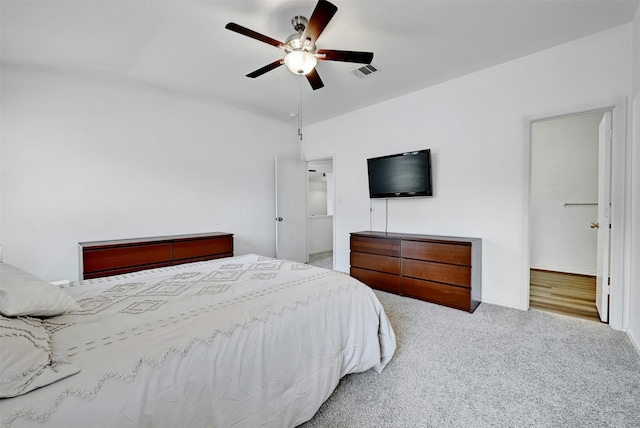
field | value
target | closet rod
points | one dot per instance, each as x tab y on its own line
567	204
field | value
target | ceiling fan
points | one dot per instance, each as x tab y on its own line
301	54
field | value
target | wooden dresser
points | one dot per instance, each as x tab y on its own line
439	269
106	258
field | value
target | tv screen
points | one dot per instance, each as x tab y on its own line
400	175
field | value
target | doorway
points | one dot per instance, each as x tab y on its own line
320	212
564	214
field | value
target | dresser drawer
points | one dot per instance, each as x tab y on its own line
442	294
126	256
384	247
440	272
378	280
199	248
120	271
456	254
376	262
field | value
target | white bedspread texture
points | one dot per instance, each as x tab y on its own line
245	341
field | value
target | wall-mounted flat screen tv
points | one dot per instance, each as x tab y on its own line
400	175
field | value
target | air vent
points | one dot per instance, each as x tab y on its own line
366	70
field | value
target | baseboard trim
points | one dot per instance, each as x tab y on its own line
504	304
320	251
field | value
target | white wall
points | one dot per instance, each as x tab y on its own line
564	169
91	158
320	234
634	292
317	198
477	128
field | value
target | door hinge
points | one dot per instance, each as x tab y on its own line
609	285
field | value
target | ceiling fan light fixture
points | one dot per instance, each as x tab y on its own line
300	62
300	53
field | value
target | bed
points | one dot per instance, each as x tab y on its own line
242	341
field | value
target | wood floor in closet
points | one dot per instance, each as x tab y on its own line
564	293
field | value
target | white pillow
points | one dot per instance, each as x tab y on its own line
27	360
24	294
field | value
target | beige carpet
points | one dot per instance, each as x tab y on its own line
498	367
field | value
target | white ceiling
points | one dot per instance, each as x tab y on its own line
183	45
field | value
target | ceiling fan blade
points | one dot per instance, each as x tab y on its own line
314	79
266	68
345	56
320	17
254	35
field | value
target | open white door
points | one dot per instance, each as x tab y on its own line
291	209
604	216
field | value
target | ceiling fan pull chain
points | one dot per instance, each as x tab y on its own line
300	113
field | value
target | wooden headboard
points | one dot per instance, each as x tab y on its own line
106	258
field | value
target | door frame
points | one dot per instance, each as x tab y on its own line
618	306
335	207
603	269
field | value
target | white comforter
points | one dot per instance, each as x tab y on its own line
245	341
